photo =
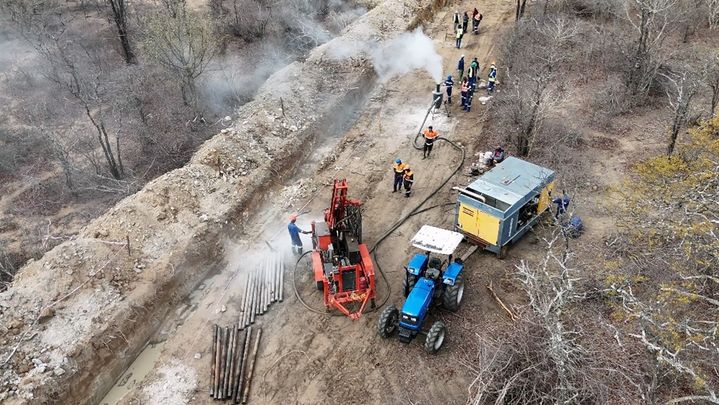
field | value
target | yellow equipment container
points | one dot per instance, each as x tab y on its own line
503	204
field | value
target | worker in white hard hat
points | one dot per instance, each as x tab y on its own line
295	235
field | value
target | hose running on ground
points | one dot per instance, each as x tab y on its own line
416	210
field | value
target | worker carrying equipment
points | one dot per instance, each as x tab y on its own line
295	234
398	170
408	179
429	136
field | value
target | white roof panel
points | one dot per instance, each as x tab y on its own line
437	240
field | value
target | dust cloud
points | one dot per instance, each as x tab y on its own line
398	56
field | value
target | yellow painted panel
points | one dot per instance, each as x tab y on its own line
487	227
467	219
545	201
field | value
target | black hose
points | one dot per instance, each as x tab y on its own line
416	210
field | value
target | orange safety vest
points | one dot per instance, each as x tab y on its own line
398	168
430	134
409	177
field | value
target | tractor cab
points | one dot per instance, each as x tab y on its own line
428	278
435	242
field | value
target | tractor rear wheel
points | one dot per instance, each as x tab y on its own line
435	337
408	283
388	321
453	294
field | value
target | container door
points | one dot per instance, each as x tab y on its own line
544	199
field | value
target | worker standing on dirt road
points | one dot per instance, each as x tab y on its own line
429	137
448	84
398	170
295	235
463	92
458	35
491	78
465	22
476	19
455	21
408	181
460	68
475	66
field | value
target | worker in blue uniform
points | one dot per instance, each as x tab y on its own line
448	84
295	234
562	204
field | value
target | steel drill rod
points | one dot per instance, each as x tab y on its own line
253	358
255	295
248	312
228	367
268	270
282	280
276	272
273	280
246	304
265	285
240	322
263	292
218	361
223	356
243	364
265	271
237	370
214	355
233	364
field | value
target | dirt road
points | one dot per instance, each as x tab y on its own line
311	358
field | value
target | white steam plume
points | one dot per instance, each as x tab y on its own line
398	56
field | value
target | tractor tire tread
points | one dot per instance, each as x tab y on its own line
434	333
451	293
385	318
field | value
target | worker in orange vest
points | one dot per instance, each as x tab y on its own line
429	137
408	180
398	170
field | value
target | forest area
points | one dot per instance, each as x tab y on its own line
622	97
100	97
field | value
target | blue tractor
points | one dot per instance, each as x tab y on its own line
428	280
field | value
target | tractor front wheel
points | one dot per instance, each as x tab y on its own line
388	321
453	294
435	337
408	284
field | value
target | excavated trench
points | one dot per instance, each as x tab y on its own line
329	132
80	316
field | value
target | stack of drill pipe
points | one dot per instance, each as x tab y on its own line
229	354
263	286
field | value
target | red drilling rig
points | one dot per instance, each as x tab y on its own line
341	262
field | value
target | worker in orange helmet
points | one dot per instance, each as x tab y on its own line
295	234
429	137
408	180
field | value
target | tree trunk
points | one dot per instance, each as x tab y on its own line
119	15
715	101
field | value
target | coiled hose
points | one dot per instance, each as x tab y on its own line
416	210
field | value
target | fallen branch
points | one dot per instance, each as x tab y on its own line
511	314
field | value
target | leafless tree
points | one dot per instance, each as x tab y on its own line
120	18
679	97
182	42
651	20
713	12
533	56
710	74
